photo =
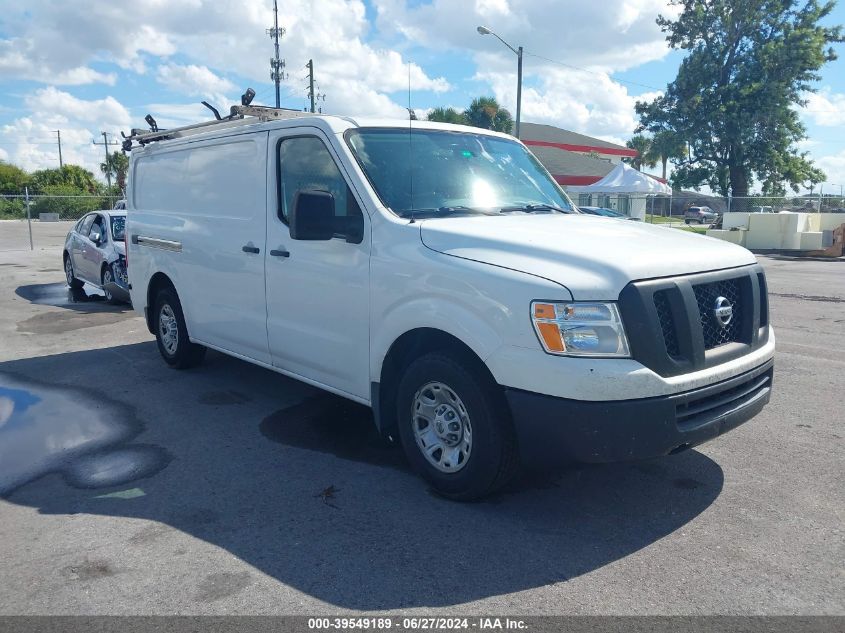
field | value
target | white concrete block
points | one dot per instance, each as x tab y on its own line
735	237
734	219
811	241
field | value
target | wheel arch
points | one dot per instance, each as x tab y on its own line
157	282
407	347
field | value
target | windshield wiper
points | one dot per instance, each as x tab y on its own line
531	208
435	212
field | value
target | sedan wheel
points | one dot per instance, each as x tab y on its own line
72	281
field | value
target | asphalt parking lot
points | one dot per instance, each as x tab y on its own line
229	489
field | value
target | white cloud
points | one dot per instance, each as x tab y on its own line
211	35
195	81
825	108
18	61
31	139
834	168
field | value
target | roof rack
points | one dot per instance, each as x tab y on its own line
237	116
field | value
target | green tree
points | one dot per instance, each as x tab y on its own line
72	176
485	112
665	145
749	64
13	179
447	115
116	166
642	145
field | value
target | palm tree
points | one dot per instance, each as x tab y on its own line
486	112
447	115
664	146
642	144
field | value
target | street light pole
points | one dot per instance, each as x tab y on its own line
483	30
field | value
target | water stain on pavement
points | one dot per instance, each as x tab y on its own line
223	397
334	425
90	570
86	307
222	585
79	433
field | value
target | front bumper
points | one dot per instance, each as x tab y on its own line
553	430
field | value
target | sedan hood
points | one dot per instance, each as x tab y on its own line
595	258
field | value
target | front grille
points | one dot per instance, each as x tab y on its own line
715	333
667	323
703	410
672	325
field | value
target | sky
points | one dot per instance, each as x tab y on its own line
101	65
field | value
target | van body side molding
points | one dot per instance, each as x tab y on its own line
152	242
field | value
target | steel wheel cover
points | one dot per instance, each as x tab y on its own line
441	427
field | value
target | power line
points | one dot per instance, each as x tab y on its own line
593	72
106	142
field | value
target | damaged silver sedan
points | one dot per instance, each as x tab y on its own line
95	253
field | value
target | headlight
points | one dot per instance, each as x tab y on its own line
580	329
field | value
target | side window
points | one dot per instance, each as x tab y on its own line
305	163
98	226
85	224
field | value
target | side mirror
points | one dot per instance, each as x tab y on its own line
96	237
313	218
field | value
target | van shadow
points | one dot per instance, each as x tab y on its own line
296	484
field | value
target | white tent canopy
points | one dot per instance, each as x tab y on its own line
625	179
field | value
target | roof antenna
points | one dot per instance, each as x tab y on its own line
411	118
213	109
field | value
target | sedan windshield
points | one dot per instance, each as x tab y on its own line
437	173
118	226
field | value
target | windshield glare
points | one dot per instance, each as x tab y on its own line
439	172
118	226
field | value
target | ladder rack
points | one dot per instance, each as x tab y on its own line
237	116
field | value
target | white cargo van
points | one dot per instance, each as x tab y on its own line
438	274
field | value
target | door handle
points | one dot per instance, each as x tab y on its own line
279	253
250	249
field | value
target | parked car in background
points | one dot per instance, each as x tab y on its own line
762	210
95	253
700	215
120	204
605	213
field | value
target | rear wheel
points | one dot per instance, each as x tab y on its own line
172	334
72	281
455	428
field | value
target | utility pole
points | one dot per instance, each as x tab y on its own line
106	142
59	137
313	95
277	65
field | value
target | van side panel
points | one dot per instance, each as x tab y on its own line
209	199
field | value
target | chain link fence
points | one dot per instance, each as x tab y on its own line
664	208
42	221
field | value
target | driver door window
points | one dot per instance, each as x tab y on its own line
306	164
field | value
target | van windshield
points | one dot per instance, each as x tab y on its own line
436	173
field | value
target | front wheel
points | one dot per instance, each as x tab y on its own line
172	334
108	278
455	428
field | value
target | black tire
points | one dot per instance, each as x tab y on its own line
183	354
108	274
70	277
686	221
492	460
